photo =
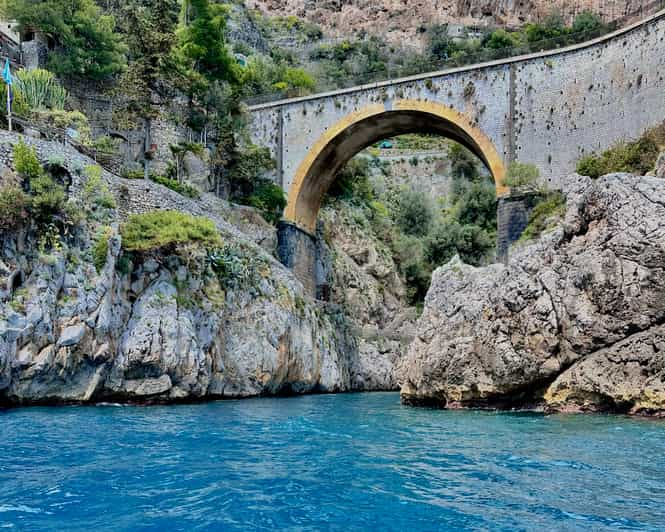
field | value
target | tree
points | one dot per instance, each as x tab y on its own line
352	182
477	206
263	75
439	45
179	152
201	53
552	27
414	213
464	165
473	244
409	253
587	21
151	26
521	175
499	39
87	45
207	71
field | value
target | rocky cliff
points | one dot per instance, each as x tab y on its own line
165	325
366	286
399	20
575	321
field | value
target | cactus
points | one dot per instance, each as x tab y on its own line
40	89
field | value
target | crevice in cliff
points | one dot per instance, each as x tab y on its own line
632	330
554	308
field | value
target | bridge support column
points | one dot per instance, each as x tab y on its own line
512	218
304	255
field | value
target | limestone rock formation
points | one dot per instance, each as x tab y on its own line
166	326
168	330
366	285
574	322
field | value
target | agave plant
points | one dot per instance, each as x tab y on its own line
40	89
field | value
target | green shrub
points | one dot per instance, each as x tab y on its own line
268	198
234	266
14	205
409	253
415	213
591	166
352	182
60	120
106	144
162	229
501	39
587	21
551	207
96	190
126	173
26	162
521	175
48	198
473	244
464	164
20	107
100	250
476	205
173	184
267	75
637	157
297	82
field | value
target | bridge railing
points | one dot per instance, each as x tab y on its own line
467	58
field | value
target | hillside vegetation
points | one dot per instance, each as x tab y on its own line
422	232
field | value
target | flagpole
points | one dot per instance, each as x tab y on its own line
7	77
9	106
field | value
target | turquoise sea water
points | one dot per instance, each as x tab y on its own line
339	462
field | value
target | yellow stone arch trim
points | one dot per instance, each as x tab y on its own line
484	145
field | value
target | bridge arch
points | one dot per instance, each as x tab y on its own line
368	125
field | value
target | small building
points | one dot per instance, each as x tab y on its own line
9	30
10	41
26	46
456	31
35	46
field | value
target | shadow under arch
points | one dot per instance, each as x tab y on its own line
363	128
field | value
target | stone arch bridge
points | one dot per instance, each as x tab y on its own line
547	109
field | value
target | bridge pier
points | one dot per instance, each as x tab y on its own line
306	256
512	214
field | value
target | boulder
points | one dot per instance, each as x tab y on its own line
71	335
573	322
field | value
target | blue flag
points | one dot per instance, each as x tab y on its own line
7	74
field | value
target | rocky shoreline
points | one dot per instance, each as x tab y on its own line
574	322
166	326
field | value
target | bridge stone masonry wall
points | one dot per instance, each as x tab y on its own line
298	251
548	109
572	104
512	219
